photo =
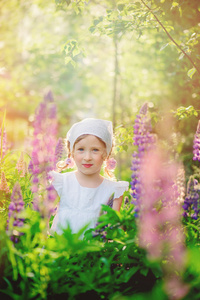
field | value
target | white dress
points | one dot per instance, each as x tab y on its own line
80	205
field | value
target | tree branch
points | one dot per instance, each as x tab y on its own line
171	38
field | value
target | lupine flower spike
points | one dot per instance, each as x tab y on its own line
192	201
21	166
20	163
4	185
159	225
180	184
4	142
15	208
144	140
196	144
59	150
43	155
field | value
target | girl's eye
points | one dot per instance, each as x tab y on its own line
80	149
95	150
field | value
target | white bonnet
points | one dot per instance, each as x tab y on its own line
100	128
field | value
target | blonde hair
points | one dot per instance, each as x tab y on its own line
63	165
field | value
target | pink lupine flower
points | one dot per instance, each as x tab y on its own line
160	229
20	163
175	288
4	185
111	164
4	142
21	166
180	184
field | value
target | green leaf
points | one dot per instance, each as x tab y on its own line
191	72
97	21
76	51
92	29
121	6
181	56
164	46
185	112
174	4
144	271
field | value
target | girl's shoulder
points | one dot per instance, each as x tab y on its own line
59	177
116	187
116	184
59	180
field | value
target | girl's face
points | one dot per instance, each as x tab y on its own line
89	154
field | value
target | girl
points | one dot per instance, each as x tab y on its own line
82	192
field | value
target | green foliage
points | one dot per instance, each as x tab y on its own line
71	50
153	52
77	5
124	138
185	112
8	165
191	72
94	36
64	265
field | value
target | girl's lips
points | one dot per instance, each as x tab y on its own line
87	165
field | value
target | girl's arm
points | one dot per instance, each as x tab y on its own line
117	202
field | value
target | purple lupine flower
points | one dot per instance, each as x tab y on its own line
43	155
135	182
30	167
52	112
70	162
59	150
192	201
144	140
49	96
196	144
15	208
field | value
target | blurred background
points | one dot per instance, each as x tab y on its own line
101	59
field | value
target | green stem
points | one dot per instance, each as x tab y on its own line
193	226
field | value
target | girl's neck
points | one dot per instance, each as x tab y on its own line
90	181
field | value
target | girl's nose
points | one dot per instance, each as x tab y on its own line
87	155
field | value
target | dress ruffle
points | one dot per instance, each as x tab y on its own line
57	181
121	187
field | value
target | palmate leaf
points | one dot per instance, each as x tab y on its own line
112	217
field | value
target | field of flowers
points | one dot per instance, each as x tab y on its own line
150	250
